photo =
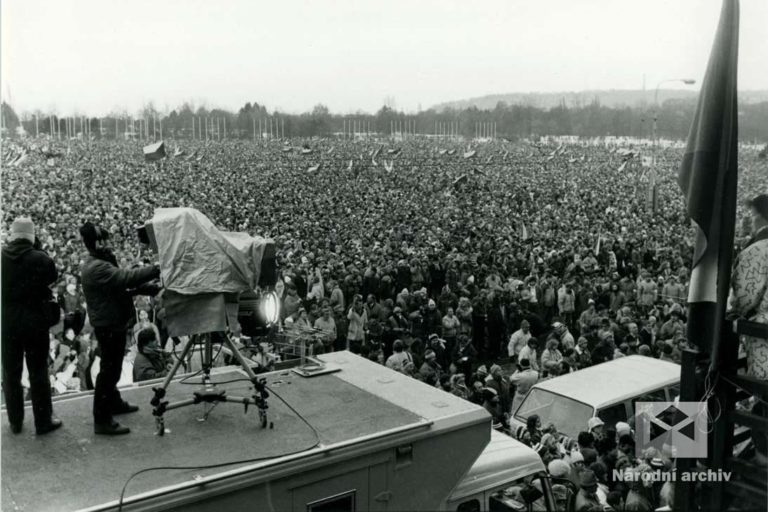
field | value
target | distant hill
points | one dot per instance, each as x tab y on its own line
608	98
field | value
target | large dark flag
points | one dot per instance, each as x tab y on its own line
708	178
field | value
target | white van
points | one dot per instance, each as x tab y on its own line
608	390
507	475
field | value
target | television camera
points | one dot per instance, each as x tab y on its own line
211	280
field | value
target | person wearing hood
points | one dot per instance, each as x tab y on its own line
459	386
27	274
464	314
109	292
433	319
403	299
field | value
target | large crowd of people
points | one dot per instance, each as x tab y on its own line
479	270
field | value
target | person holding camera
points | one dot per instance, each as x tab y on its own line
27	313
109	292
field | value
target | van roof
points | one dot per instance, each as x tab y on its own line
614	381
360	404
504	460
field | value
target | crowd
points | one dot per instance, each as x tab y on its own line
398	241
477	271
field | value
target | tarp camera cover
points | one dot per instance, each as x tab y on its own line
195	257
204	270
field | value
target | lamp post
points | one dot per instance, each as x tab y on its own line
653	193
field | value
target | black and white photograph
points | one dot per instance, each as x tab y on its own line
401	256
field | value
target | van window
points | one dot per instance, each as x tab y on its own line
612	415
658	395
469	506
567	414
339	503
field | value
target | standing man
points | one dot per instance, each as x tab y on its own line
27	273
518	340
109	292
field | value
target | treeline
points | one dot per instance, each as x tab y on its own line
508	121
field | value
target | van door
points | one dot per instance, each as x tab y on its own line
612	415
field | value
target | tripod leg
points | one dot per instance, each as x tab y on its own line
240	358
260	391
159	406
177	363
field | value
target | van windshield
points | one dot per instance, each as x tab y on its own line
569	416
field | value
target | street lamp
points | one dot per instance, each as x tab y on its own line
653	193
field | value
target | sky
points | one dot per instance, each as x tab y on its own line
93	57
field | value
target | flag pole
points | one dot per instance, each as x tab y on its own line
708	178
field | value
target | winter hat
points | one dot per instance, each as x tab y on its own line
576	457
429	354
623	428
558	469
482	370
22	227
594	423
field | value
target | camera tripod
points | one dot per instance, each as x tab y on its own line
209	393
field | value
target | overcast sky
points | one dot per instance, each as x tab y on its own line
96	56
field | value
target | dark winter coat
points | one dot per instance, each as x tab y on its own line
109	291
27	274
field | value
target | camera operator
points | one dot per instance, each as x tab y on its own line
27	272
108	293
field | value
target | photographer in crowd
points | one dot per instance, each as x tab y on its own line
109	292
